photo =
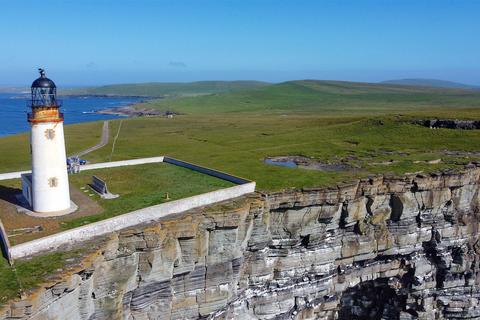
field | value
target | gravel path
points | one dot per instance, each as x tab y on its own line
103	141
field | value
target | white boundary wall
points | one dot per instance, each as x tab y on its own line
13	175
134	218
121	163
18	174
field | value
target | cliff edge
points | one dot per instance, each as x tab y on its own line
379	248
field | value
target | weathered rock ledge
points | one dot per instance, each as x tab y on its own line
380	248
450	124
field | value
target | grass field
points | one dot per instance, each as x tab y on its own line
143	186
363	125
239	144
324	97
30	273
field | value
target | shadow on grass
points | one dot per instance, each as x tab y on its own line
9	194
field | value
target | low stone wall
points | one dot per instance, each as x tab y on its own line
210	172
146	215
121	163
13	175
93	166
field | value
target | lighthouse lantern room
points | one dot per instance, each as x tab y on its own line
46	189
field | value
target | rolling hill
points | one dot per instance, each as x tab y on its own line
314	96
431	83
168	89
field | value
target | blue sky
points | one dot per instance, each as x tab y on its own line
97	42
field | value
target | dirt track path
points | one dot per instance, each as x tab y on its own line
103	141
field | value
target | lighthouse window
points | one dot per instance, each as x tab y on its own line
53	182
50	134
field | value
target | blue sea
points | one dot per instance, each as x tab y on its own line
13	110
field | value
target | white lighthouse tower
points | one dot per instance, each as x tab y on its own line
47	188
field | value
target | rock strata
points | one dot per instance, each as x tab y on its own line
450	124
379	248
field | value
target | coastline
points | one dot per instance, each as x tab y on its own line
130	111
77	109
108	96
124	111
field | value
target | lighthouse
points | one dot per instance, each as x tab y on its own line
46	189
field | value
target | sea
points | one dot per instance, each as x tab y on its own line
76	109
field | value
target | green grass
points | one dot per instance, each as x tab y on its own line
28	274
143	186
325	97
168	89
238	144
330	121
431	83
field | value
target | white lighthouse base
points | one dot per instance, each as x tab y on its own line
24	207
26	204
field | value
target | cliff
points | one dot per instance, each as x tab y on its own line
391	248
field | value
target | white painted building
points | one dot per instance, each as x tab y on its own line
46	189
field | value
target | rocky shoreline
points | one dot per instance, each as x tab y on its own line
131	111
128	110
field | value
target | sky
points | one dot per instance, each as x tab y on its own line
94	42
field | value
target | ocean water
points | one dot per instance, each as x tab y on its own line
13	110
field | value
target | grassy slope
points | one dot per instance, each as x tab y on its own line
325	97
320	119
430	83
30	273
238	144
330	121
166	89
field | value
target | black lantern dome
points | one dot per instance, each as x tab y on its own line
44	92
43	81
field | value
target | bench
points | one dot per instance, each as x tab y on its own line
100	187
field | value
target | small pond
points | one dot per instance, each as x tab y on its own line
306	163
282	163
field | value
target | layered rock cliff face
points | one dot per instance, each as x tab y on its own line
381	248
